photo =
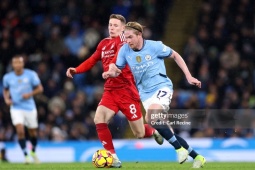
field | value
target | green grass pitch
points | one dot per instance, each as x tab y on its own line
131	166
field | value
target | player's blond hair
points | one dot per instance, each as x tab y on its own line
119	17
135	26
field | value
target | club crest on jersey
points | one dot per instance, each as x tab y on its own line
147	57
138	59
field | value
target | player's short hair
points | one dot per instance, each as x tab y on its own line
17	56
135	26
119	17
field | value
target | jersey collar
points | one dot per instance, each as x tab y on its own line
142	46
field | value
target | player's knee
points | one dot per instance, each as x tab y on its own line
139	135
21	134
33	132
99	120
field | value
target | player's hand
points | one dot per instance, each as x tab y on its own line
114	69
194	81
112	72
105	75
8	102
108	74
70	72
26	95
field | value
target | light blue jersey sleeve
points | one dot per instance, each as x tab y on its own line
162	50
5	82
35	79
121	59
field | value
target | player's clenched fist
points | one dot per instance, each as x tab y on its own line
70	72
112	72
194	81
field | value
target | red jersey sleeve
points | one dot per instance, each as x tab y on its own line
91	61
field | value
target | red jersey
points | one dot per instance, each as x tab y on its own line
106	50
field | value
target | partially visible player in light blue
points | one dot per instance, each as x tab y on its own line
146	60
20	85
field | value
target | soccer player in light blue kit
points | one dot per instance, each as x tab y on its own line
20	86
146	60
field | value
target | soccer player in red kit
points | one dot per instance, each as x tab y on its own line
120	93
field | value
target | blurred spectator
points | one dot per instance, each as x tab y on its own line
55	44
229	59
74	40
226	34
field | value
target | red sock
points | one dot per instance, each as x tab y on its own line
148	131
105	136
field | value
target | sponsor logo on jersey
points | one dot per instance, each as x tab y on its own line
141	68
138	59
109	53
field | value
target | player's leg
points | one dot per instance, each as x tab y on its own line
156	105
32	125
3	155
165	131
102	118
20	129
141	130
105	111
131	109
199	160
33	139
18	120
138	129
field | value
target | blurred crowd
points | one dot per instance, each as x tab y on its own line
221	54
55	35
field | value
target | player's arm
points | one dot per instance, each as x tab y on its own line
6	92
7	98
37	90
181	63
37	86
115	69
86	65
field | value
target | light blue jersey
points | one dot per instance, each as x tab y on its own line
147	66
19	85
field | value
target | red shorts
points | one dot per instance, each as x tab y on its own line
123	100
